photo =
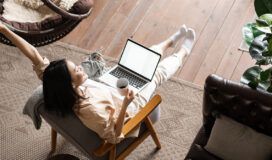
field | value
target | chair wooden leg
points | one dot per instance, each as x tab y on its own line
53	140
113	153
152	132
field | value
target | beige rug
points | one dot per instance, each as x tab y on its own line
180	119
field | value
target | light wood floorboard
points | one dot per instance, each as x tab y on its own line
218	25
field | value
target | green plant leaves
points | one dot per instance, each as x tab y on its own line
269	89
257	47
259	37
270	46
265	75
251	76
263	6
264	23
268	4
250	32
247	31
261	22
256	77
261	50
266	19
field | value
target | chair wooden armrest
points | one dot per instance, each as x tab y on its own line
138	118
133	123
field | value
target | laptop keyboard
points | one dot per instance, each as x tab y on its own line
133	80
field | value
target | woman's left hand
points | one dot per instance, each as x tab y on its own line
2	26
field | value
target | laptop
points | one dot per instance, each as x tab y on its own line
137	63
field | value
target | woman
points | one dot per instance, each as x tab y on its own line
67	89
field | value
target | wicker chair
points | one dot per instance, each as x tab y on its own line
51	29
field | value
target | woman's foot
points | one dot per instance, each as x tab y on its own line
189	41
171	41
178	35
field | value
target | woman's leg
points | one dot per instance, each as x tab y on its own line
168	66
171	41
162	47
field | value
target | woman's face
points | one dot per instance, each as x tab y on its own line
77	73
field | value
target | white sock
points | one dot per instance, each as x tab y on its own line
178	35
189	41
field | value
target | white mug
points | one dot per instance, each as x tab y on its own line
122	86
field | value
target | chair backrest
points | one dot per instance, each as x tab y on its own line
243	104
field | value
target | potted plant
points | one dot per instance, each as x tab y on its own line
258	36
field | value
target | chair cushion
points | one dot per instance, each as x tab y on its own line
232	140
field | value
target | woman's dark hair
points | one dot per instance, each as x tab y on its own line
59	94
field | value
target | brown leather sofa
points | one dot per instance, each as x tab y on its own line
250	107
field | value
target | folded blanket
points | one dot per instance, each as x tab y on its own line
32	105
94	66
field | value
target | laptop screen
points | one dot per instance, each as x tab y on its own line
139	59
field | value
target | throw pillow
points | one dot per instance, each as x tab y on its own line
231	140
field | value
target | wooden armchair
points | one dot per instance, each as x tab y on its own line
89	142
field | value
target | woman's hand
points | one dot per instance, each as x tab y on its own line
2	27
128	98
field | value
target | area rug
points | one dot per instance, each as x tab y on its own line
179	122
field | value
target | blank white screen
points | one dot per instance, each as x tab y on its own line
139	59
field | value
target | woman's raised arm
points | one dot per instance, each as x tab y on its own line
28	50
121	118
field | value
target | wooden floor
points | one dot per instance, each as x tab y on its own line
217	23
